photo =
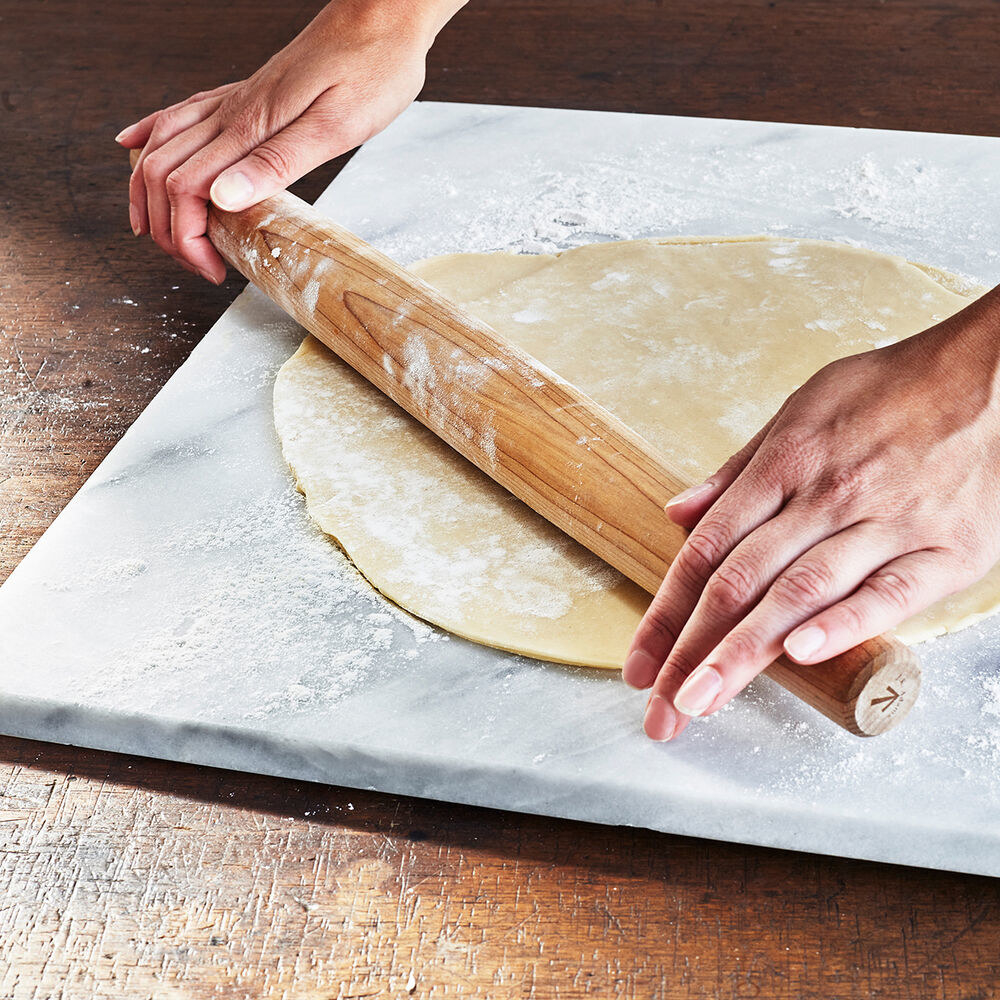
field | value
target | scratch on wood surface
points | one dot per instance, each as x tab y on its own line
21	364
119	890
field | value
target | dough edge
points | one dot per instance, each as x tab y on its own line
912	632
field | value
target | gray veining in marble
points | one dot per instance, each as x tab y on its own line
183	607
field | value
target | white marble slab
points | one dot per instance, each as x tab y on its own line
183	607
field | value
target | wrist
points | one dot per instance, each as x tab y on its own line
962	353
374	20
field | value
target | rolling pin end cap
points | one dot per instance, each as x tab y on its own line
887	697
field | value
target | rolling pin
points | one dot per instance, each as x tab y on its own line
542	439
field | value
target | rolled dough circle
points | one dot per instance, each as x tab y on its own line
694	343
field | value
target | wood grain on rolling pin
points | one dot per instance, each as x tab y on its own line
538	436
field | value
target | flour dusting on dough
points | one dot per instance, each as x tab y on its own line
694	343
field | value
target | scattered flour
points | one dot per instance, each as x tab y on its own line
310	294
528	316
303	587
991	688
650	190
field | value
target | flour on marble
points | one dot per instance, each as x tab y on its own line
637	193
809	757
300	586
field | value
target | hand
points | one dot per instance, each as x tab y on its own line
353	69
874	492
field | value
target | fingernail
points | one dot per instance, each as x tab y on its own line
121	134
689	494
805	643
133	219
640	668
231	191
698	691
660	720
207	276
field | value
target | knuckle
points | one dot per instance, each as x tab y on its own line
176	184
659	620
805	584
744	645
892	587
157	134
843	487
731	588
274	159
678	665
165	124
154	167
704	549
848	618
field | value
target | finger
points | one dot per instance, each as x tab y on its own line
745	576
136	135
886	598
173	121
689	506
824	575
168	124
747	504
159	164
270	167
193	245
274	164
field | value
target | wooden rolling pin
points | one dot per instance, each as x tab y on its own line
550	445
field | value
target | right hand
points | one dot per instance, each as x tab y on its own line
350	72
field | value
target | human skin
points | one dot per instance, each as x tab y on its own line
350	72
872	493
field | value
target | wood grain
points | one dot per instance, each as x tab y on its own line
122	877
128	879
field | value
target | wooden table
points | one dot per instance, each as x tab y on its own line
127	877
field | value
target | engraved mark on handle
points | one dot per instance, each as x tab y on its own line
889	699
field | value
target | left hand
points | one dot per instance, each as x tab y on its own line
873	493
341	80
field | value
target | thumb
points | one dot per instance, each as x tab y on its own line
689	506
271	167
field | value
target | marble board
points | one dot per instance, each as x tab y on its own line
183	607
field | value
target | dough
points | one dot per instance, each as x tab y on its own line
692	342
